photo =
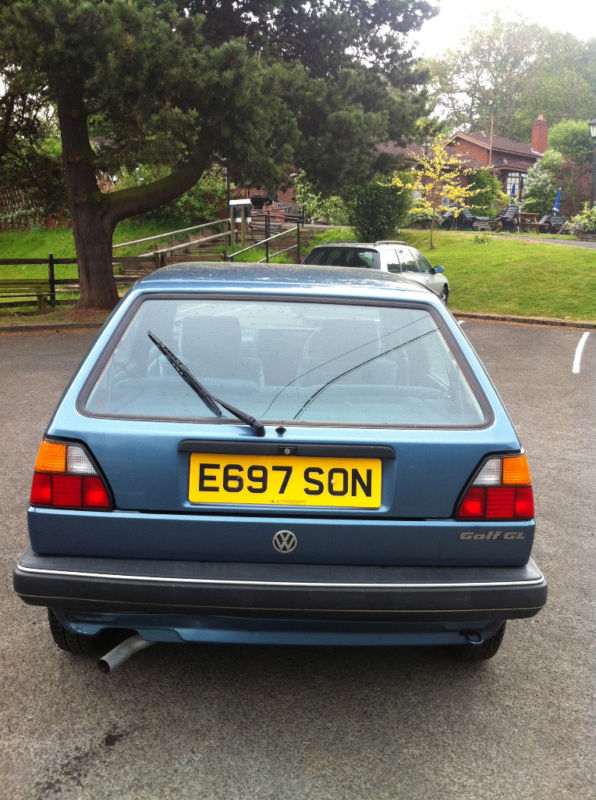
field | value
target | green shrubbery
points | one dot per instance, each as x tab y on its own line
377	209
489	190
421	215
330	210
585	221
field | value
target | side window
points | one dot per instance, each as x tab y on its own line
423	262
391	258
408	262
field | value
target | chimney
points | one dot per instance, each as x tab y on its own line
540	135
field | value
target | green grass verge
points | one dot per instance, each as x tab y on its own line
38	243
487	273
494	274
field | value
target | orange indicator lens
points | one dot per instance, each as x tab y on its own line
51	457
516	471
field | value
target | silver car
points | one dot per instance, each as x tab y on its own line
388	256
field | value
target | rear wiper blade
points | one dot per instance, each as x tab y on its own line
209	399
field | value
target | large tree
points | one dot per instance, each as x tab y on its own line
512	72
572	139
255	85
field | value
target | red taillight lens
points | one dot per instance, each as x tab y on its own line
94	494
67	490
473	504
492	497
41	489
524	502
66	478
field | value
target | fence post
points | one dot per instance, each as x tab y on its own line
52	278
267	235
298	242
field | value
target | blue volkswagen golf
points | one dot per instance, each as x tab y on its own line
280	454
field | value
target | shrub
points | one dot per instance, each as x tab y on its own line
585	221
330	210
484	203
376	210
421	215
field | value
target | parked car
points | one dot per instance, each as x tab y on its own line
388	256
280	454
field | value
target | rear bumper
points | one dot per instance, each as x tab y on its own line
265	591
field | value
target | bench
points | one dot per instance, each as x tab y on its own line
13	289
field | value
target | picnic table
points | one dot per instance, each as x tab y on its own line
528	223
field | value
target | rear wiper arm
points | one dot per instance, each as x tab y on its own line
209	399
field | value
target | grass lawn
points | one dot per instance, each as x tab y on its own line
38	243
487	273
510	276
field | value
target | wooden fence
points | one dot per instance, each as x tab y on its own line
41	291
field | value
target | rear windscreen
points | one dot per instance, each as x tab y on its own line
288	361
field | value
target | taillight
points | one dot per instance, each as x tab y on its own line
65	477
502	490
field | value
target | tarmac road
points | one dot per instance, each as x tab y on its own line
224	723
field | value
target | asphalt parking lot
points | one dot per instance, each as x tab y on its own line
224	723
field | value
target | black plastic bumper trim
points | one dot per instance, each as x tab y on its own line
271	590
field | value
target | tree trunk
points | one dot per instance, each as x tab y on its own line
95	215
92	231
91	219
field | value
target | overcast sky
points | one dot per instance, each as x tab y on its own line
456	17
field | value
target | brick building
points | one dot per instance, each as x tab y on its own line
507	159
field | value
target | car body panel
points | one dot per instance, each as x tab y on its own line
159	519
396	257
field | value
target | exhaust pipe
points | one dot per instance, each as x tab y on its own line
122	652
473	637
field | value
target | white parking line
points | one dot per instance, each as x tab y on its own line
578	353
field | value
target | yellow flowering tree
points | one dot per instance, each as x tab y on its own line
440	174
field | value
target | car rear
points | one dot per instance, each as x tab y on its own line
389	500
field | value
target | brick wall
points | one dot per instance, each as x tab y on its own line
474	150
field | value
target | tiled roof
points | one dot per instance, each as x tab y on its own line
499	143
414	152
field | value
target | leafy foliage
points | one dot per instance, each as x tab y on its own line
585	221
376	209
254	85
489	193
440	175
205	201
331	210
552	172
572	139
514	71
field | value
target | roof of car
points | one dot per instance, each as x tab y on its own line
288	278
370	245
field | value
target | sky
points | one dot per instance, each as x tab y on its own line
456	17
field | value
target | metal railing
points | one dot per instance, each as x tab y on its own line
171	235
268	255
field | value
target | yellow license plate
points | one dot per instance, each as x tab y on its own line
285	480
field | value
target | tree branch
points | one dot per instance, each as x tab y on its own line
139	199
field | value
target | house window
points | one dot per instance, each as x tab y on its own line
516	179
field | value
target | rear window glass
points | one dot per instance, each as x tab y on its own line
336	363
342	257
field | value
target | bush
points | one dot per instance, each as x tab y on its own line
330	210
484	203
421	215
376	210
585	221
